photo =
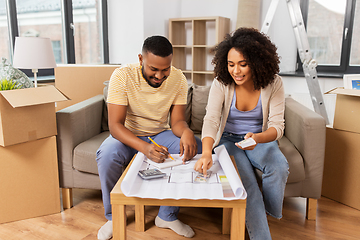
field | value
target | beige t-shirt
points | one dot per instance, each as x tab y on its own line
147	107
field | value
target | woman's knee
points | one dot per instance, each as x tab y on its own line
284	167
280	161
278	169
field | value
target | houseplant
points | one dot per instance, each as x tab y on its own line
9	85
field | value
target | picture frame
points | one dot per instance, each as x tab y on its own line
351	81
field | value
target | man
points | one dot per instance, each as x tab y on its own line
140	99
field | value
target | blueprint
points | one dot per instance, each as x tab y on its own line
224	182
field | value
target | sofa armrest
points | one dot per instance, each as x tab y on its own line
75	124
306	129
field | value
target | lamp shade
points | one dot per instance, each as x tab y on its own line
33	53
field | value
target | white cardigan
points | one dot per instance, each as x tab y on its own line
219	102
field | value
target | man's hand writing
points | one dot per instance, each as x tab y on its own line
155	153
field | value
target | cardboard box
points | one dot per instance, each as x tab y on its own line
28	114
341	178
347	109
80	82
29	180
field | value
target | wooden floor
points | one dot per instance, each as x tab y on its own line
334	221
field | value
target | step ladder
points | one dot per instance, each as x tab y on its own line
309	64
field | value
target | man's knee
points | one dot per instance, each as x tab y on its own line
113	154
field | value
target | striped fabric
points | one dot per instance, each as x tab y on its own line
148	107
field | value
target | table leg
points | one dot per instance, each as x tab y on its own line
226	221
119	222
139	218
237	224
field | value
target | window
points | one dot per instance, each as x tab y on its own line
355	47
87	40
333	29
77	28
4	33
40	19
57	51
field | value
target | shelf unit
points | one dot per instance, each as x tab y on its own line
192	39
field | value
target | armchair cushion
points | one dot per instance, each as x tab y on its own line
85	156
199	100
295	160
188	105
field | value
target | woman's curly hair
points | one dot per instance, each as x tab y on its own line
259	52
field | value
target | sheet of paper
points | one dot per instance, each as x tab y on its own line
132	176
179	181
167	163
230	171
179	177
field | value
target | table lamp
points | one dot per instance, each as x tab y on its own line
33	53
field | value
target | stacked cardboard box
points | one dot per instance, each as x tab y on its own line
81	82
341	179
28	158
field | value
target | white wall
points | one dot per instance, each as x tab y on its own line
297	88
126	30
281	33
130	22
157	14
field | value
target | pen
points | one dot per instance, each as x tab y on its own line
159	147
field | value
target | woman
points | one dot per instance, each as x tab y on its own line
246	100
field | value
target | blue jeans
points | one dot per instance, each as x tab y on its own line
268	158
113	156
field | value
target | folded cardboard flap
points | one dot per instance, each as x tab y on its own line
28	114
347	109
33	96
342	91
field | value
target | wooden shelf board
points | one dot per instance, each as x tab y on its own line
203	72
182	46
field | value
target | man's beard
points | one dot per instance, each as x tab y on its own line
148	80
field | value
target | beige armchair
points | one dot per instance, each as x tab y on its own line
303	145
80	133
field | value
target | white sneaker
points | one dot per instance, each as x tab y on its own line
106	231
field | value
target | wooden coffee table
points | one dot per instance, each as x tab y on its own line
233	211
